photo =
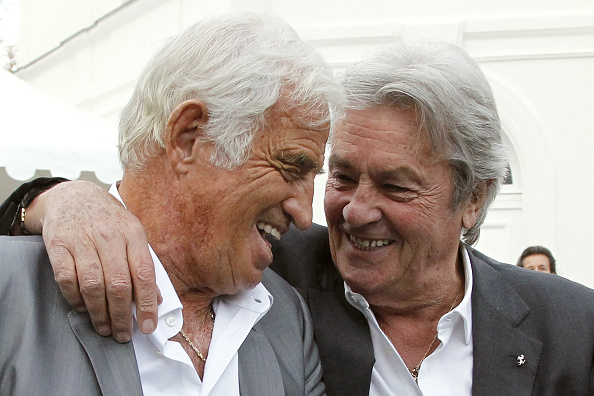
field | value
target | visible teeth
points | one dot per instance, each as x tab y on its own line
276	234
367	244
267	228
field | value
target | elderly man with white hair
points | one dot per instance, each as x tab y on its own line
220	144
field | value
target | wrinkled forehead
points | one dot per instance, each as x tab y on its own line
380	126
428	129
310	119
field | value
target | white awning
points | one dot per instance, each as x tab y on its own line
40	132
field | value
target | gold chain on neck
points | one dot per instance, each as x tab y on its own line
211	315
415	370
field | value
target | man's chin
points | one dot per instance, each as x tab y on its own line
254	280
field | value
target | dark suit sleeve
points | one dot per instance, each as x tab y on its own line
8	209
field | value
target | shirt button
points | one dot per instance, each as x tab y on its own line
170	321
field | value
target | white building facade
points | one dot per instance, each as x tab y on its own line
537	54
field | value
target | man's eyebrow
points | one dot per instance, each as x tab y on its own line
403	173
299	160
336	161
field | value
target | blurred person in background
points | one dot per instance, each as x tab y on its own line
538	258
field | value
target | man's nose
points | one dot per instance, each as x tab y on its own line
298	206
362	208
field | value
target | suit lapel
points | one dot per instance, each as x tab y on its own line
344	342
505	358
256	357
114	364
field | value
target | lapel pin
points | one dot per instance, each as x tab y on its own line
521	360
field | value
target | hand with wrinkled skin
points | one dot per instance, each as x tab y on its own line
99	254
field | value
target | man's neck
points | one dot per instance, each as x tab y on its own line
423	293
159	208
410	322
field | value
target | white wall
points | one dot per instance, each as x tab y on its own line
537	54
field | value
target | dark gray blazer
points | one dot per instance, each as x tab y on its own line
46	348
546	318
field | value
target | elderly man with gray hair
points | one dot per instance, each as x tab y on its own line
220	144
400	301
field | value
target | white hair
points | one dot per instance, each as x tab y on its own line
454	105
239	65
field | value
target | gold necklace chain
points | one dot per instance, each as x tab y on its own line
194	347
415	370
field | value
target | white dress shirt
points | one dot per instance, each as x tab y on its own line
446	372
165	367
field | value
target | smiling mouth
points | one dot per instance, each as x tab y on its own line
369	244
267	229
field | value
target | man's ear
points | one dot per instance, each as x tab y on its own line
182	134
474	207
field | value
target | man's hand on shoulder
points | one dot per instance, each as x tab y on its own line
99	254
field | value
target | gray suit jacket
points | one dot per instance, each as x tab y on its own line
546	318
46	348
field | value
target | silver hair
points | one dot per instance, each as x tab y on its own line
239	65
455	109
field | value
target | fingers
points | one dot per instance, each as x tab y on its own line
65	275
92	285
118	287
142	272
128	267
129	272
83	288
110	231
